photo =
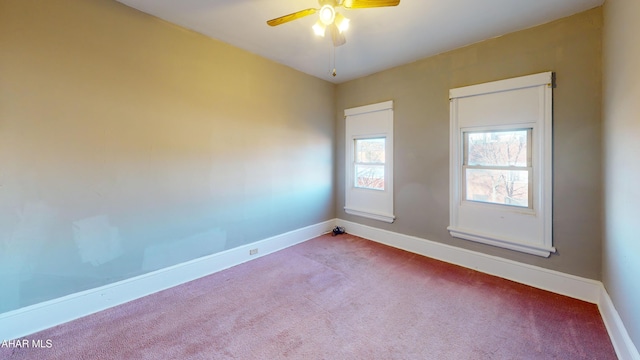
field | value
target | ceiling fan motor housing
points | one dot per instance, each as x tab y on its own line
332	3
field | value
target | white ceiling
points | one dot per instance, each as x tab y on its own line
378	39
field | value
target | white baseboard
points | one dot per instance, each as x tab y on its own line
554	281
560	283
625	349
28	320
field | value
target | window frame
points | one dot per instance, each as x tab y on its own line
369	122
516	103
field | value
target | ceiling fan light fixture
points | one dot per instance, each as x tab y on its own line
319	28
342	23
327	14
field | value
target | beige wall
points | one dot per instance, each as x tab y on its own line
571	47
622	160
128	144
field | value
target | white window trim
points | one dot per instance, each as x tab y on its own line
542	188
380	206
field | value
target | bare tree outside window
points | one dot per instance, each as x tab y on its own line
370	163
497	167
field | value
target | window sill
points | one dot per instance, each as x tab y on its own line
375	216
488	239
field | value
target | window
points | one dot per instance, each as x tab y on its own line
369	161
500	163
497	167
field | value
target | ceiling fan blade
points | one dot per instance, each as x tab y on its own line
363	4
286	18
337	37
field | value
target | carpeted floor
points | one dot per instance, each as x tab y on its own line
337	297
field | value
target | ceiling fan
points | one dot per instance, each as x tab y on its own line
330	18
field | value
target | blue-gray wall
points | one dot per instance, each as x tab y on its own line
622	160
128	144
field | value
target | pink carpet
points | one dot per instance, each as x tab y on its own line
337	297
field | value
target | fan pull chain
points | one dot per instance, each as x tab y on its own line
333	51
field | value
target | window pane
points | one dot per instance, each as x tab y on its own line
369	176
497	148
506	187
370	151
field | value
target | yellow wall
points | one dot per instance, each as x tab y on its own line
128	144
